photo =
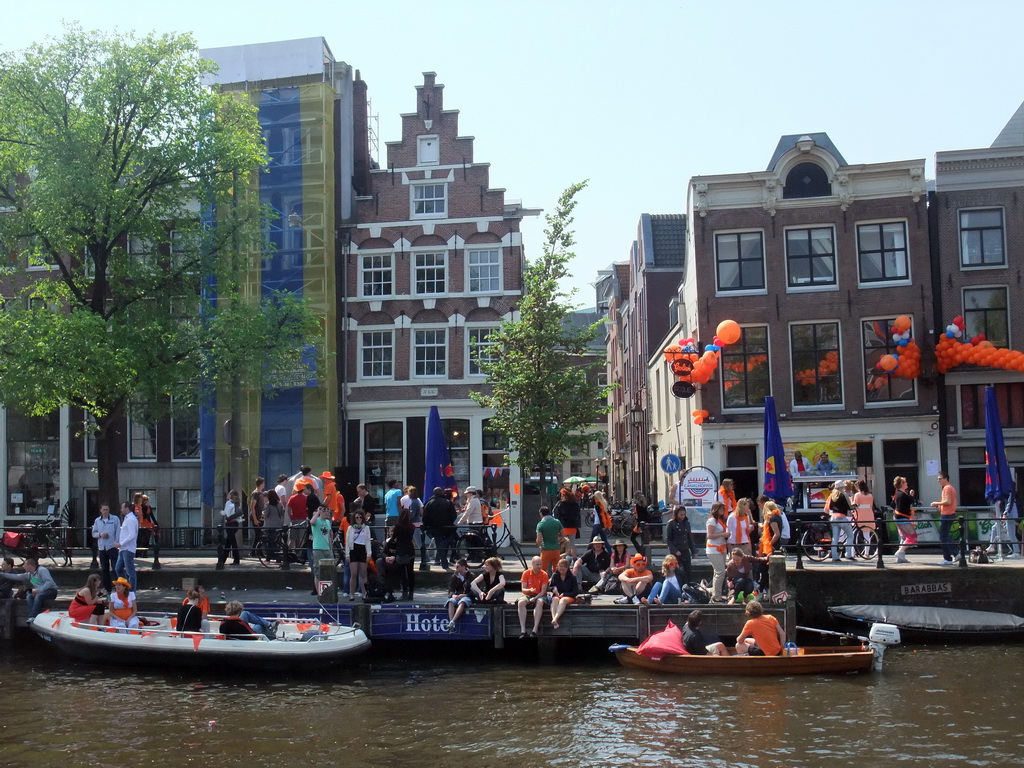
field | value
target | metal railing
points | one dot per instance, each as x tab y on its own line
980	526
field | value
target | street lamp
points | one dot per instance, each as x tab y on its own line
638	459
654	510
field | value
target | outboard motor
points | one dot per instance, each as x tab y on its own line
881	637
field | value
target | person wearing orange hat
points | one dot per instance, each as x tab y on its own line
635	581
124	612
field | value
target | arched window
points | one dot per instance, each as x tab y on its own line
807	180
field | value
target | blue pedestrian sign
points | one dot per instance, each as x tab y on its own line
671	463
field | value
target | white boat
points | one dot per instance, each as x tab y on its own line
299	646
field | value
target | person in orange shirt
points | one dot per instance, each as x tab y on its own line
947	513
635	581
534	587
761	635
333	499
727	495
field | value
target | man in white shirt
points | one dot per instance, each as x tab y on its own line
799	465
127	541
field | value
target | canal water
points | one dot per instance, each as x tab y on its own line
930	706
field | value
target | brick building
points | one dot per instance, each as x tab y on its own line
979	223
814	258
636	295
435	263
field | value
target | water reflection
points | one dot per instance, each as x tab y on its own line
943	705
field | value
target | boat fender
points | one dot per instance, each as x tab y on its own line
616	647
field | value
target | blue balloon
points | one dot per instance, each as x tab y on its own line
950	334
904	342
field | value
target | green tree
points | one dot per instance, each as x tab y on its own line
542	375
127	219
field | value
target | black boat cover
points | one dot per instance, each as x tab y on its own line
926	618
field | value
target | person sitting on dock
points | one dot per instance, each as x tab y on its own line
42	589
762	634
489	586
564	589
6	589
460	596
590	568
739	575
534	588
694	641
635	581
241	624
668	591
123	605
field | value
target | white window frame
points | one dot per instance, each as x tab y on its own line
364	348
861	283
960	237
482	347
470	266
416	346
416	267
431	214
174	456
810	287
1006	293
719	290
423	156
771	381
865	370
387	264
191	494
792	366
132	425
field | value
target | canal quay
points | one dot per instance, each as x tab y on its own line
810	589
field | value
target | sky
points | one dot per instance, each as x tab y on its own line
635	97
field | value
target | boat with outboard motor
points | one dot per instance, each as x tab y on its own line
811	660
299	645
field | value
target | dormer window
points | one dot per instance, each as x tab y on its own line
807	180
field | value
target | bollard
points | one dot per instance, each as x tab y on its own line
963	542
798	528
327	572
777	581
879	563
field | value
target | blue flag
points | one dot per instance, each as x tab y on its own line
777	483
440	473
998	478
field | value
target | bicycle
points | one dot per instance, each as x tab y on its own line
817	541
40	540
482	541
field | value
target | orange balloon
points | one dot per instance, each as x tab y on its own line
729	331
888	363
902	323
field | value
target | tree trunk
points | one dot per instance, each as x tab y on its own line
109	438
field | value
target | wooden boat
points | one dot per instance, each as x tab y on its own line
810	661
300	645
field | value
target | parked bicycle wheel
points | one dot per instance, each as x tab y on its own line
474	548
865	542
817	542
517	549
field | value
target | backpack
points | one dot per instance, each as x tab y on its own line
695	594
485	511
